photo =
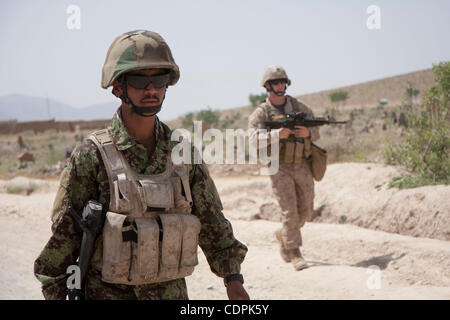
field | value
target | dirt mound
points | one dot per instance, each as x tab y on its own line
355	193
359	192
24	185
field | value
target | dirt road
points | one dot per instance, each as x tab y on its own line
346	261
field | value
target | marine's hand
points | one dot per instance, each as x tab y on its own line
301	132
284	133
236	291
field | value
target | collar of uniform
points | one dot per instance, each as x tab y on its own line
123	140
288	101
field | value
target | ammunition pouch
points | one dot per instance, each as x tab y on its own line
149	249
291	151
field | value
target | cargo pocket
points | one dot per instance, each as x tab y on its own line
146	250
191	226
116	252
158	195
171	244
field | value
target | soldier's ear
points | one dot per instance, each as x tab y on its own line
116	90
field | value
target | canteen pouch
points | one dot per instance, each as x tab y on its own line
318	162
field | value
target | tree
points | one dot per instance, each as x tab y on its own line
426	151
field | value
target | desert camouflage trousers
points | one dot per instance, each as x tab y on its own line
293	187
99	290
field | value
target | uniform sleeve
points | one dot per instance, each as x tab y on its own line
258	131
77	186
223	251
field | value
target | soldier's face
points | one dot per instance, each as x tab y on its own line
149	96
278	86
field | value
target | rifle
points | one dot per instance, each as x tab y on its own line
299	119
91	223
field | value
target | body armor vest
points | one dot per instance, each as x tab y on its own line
289	151
149	234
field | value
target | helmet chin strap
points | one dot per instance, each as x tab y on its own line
144	111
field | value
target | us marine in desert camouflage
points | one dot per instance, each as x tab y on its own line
156	213
293	184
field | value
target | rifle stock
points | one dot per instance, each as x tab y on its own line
91	223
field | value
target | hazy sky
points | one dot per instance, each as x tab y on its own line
221	47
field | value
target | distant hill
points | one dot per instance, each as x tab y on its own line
27	108
364	95
368	94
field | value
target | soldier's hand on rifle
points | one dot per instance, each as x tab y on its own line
301	132
284	133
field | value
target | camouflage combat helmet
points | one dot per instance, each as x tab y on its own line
140	49
273	73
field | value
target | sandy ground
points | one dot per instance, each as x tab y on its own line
351	260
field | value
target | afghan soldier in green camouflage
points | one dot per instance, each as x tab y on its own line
139	66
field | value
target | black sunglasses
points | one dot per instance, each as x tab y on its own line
142	81
277	81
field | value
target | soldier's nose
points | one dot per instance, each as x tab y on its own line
150	88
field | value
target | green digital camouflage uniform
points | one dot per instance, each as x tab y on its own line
85	178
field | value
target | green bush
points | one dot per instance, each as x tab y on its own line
338	96
426	151
256	99
188	121
208	116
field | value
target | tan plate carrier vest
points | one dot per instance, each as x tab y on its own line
149	234
290	151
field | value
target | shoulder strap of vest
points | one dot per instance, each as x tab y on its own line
113	160
266	109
